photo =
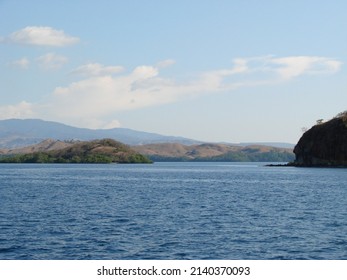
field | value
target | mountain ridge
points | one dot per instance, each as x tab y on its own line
16	133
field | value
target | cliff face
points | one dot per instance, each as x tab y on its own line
323	145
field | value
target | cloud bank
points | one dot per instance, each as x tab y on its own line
105	90
21	110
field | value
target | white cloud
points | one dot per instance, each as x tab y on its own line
215	80
99	97
165	63
52	61
22	63
287	68
94	101
104	94
291	67
144	72
42	36
112	124
96	69
20	110
240	66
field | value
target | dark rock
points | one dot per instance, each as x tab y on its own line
324	145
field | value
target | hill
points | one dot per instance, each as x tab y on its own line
214	152
175	151
97	151
324	145
16	133
44	146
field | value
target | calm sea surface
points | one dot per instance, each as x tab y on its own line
172	211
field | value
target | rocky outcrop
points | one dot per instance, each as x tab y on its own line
324	145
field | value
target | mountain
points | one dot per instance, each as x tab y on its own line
324	145
16	133
214	152
97	151
160	152
20	133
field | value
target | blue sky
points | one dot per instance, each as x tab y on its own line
222	70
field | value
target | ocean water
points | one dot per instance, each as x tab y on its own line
172	211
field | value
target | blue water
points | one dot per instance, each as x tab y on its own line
172	211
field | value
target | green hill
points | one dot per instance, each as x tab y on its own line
97	151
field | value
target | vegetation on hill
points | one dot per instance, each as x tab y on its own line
215	152
107	150
98	151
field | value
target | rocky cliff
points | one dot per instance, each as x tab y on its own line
324	145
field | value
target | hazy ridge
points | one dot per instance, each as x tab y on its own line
33	136
16	133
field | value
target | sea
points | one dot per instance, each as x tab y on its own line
172	211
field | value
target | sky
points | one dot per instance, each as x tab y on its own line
218	70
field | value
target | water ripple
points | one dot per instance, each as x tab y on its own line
172	211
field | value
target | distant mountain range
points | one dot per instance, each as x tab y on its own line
38	136
51	150
15	133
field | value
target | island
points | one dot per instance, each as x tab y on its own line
96	151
